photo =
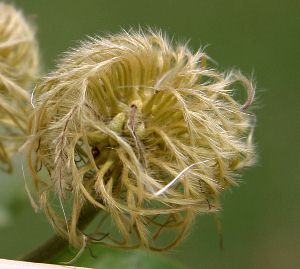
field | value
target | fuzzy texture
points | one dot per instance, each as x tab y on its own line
18	67
140	129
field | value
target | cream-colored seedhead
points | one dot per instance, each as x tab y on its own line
18	68
140	129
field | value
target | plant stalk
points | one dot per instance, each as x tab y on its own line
53	246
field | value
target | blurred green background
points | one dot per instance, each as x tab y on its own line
260	218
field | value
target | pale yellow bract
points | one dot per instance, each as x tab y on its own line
142	130
18	68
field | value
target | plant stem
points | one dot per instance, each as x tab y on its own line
47	250
53	246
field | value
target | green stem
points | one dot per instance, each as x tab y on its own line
47	250
53	246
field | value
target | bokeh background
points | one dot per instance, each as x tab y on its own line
260	218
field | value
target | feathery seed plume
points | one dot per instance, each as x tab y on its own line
140	129
18	67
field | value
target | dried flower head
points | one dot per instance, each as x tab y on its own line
18	67
143	131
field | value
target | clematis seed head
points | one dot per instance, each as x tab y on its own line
143	130
18	69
